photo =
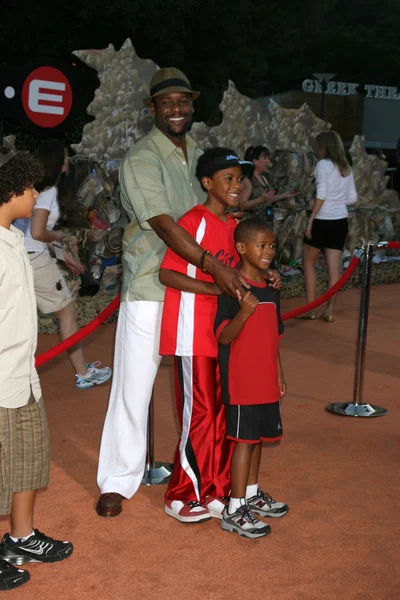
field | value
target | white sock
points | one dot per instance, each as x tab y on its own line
251	491
22	539
234	504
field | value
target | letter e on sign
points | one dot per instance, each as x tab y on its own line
47	97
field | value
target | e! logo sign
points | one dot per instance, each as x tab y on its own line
47	97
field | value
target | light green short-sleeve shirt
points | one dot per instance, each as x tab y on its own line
155	180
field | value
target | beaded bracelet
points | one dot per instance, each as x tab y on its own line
202	259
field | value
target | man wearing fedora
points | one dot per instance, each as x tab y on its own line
158	185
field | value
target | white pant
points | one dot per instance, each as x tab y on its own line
136	360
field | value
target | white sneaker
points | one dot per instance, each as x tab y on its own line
186	512
94	376
263	504
245	523
216	506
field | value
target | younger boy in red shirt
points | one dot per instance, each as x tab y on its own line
200	479
248	331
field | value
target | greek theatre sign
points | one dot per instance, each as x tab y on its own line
341	88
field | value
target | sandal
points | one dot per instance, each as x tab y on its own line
328	318
310	316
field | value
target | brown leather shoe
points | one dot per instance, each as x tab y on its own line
109	504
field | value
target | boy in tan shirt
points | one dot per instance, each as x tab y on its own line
24	439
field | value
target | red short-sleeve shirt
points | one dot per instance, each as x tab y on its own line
249	364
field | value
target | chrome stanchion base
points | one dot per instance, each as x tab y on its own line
156	473
349	409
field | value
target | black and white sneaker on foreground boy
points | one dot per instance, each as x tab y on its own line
10	577
36	548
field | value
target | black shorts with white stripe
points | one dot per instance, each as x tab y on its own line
254	423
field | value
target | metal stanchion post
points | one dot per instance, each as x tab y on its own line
154	472
358	408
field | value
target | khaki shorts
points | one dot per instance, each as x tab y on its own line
24	451
51	289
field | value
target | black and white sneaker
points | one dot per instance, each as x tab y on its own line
37	548
245	523
263	504
10	577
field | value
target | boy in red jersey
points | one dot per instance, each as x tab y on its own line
248	331
200	479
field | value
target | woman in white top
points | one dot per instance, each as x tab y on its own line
327	226
51	289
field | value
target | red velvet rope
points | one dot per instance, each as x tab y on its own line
112	307
291	314
79	335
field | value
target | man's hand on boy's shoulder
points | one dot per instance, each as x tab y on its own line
228	280
274	278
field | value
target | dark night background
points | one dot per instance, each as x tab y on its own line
263	47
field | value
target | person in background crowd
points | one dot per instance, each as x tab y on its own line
51	289
258	195
327	226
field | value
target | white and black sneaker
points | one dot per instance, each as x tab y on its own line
244	522
37	548
263	504
10	577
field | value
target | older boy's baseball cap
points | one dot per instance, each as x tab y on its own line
167	80
231	160
218	159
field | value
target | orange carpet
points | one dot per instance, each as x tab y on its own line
340	476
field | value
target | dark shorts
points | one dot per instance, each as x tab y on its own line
328	234
255	423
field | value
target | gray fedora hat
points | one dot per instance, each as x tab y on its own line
169	80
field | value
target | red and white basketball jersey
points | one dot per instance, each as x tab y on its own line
187	327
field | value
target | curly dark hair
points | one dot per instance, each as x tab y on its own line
19	174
